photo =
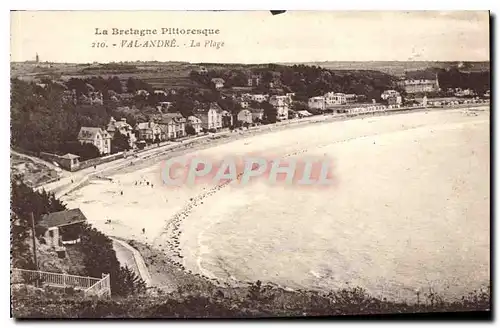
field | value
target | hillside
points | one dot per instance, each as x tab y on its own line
159	75
393	67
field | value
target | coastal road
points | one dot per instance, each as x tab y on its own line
131	258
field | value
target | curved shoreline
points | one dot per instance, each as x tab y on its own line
173	231
188	146
171	234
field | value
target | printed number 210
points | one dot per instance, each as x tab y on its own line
99	45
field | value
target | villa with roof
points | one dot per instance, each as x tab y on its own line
96	136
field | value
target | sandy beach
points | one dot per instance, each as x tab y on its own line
409	209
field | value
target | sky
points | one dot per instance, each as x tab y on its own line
254	36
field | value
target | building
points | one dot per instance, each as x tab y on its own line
259	97
257	114
420	82
63	228
210	115
173	125
160	93
69	162
123	128
149	131
389	93
281	103
195	123
96	136
164	106
394	101
254	80
317	103
244	104
464	93
362	109
333	98
351	98
218	83
142	92
245	116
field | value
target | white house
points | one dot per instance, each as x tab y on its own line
245	116
96	136
282	106
210	115
257	114
389	93
259	97
195	122
160	92
333	98
144	93
317	103
218	82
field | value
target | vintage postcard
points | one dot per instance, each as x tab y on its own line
249	164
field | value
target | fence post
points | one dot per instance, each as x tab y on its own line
64	281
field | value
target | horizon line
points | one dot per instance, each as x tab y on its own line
255	63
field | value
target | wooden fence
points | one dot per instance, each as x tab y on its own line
90	285
100	288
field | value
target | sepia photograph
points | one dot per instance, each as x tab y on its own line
250	164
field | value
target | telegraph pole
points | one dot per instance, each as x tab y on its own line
34	239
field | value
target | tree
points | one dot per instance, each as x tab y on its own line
120	142
24	203
183	105
86	151
100	258
190	130
114	84
270	112
299	105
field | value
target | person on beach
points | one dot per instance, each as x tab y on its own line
121	192
143	230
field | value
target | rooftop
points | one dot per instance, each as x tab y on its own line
90	133
70	156
63	218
